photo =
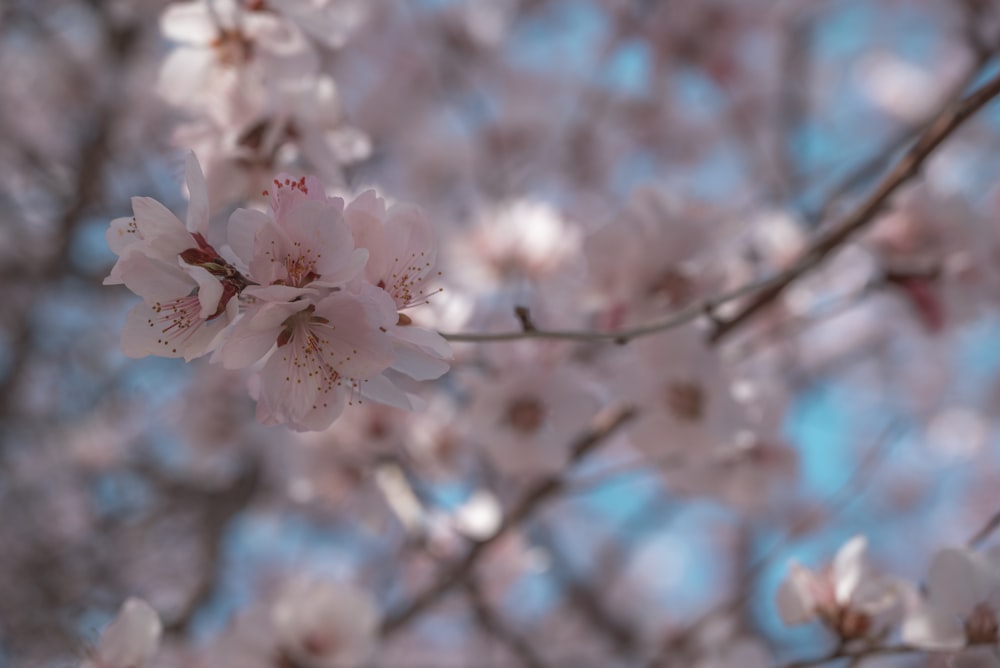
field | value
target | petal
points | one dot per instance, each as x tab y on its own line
418	364
242	230
849	568
426	339
954	585
209	291
198	209
188	22
382	390
160	227
122	233
934	629
352	345
796	604
152	279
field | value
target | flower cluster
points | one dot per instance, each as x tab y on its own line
959	608
311	295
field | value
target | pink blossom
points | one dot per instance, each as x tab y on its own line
962	606
848	596
230	61
186	286
323	349
527	417
402	256
324	624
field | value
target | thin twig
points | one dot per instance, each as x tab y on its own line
676	319
984	532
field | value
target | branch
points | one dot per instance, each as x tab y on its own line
907	167
766	290
529	503
985	531
622	336
844	653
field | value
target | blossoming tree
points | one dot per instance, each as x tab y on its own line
539	333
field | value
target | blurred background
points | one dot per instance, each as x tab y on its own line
726	131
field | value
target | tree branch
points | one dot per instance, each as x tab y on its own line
907	167
605	425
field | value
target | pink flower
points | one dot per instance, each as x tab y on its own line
688	408
231	62
962	606
848	596
527	417
186	286
325	352
304	242
324	624
402	255
131	640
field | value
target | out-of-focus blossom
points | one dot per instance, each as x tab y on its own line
665	247
962	605
848	596
526	417
324	624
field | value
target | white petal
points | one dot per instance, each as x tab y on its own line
198	209
154	280
382	390
933	628
209	291
953	584
189	22
242	230
121	234
418	364
849	568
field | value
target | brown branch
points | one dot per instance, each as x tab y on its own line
907	167
532	500
674	320
844	653
984	532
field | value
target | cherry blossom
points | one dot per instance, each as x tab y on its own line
324	624
186	286
848	596
526	417
962	603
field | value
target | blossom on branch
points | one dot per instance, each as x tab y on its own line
847	596
962	605
318	326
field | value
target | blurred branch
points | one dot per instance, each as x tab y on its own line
584	600
491	622
984	532
907	168
604	426
215	509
